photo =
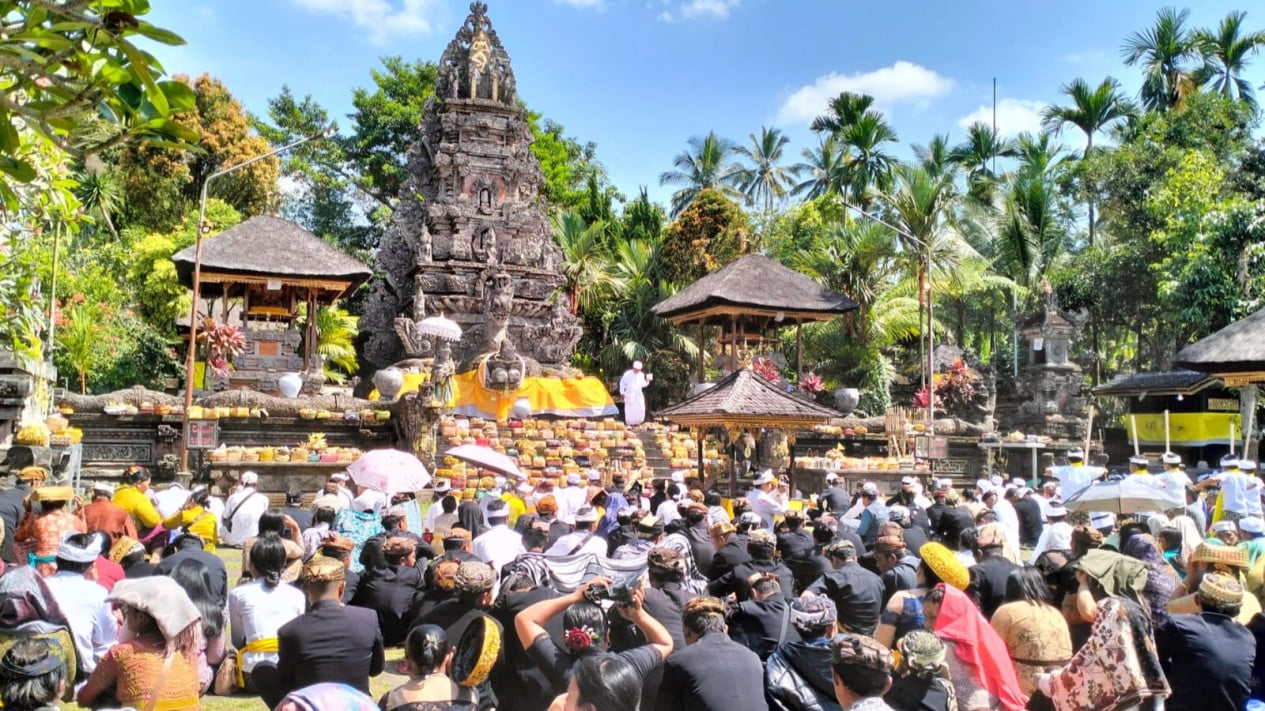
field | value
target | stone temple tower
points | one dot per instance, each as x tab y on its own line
471	237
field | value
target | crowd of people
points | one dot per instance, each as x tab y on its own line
582	596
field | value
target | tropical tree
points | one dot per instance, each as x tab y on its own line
765	178
935	156
845	110
707	165
977	155
871	164
1225	52
1091	110
825	168
1164	51
1030	233
336	343
1038	153
586	262
101	193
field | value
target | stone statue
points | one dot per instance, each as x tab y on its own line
441	372
498	302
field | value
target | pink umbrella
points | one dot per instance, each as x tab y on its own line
389	471
486	458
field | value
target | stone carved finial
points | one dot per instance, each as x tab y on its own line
475	65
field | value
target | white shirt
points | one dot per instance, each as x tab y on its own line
717	515
92	625
570	499
1235	486
1055	536
256	612
668	512
246	505
767	505
169	500
498	545
1075	478
371	500
1008	519
595	545
342	493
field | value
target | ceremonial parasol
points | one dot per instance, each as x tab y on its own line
1124	496
439	327
486	458
389	471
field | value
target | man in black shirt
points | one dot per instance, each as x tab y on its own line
953	521
189	546
897	567
294	509
813	564
330	643
394	525
913	532
391	589
1031	520
694	516
991	570
761	545
625	532
762	623
856	592
834	498
712	673
731	550
794	541
1208	657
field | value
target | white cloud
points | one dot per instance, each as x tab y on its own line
1014	116
384	19
902	83
1089	56
697	9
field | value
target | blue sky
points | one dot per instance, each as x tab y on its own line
640	77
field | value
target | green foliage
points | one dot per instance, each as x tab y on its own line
337	343
705	236
386	120
574	179
707	165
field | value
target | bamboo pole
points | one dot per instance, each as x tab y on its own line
1133	425
1231	439
1167	437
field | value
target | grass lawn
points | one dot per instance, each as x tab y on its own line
378	685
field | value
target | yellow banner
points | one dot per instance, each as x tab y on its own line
1189	429
569	397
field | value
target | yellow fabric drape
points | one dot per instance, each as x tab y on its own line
264	644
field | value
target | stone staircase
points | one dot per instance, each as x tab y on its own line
661	465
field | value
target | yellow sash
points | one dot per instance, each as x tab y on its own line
264	644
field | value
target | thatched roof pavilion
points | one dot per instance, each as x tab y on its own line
1166	382
1236	352
750	296
267	249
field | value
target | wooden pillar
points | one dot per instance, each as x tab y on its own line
700	433
702	352
799	351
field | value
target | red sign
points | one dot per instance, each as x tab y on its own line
202	434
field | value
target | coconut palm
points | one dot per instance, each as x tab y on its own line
1164	51
977	155
825	167
765	178
870	168
934	157
586	262
1031	232
1092	110
707	164
1038	153
1225	51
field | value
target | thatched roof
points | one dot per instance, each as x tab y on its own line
754	285
1237	348
747	399
266	247
1168	382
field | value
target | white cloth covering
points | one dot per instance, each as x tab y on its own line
630	387
498	546
92	624
256	612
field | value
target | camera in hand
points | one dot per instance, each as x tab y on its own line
619	592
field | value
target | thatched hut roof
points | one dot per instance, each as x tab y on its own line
1167	382
266	247
754	285
1236	351
746	399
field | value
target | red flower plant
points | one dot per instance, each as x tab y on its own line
811	383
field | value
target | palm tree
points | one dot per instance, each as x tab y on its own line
1225	52
586	262
1092	110
845	110
1164	50
1031	233
871	165
336	342
934	157
765	179
977	154
1038	154
825	167
705	165
102	192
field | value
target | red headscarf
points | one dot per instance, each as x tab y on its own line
979	647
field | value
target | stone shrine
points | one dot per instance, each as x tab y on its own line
1050	397
471	238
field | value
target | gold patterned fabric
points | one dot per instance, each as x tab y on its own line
1037	638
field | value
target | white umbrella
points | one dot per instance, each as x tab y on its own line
440	327
1124	496
389	471
486	458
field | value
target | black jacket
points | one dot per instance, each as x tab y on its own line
857	594
301	516
934	512
663	604
626	533
808	569
519	684
910	693
988	583
1030	520
915	538
903	577
798	677
391	592
760	625
953	522
713	674
835	499
731	554
330	643
371	553
1208	659
794	544
11	511
214	564
700	545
